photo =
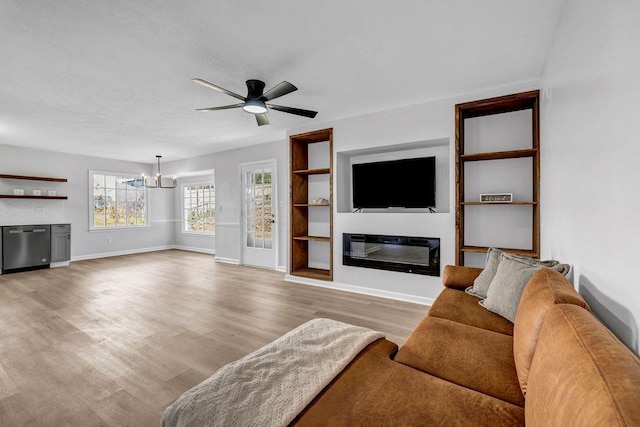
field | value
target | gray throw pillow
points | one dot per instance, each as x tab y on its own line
481	285
507	286
482	282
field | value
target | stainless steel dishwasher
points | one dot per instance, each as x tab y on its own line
26	246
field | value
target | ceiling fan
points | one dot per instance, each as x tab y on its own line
256	102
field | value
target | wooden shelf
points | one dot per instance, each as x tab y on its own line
321	171
498	155
32	178
500	104
498	203
302	205
484	249
13	196
313	238
313	273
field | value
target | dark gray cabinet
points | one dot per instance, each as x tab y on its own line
60	242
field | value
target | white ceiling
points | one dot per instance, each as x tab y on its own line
112	78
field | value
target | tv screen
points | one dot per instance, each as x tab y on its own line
406	183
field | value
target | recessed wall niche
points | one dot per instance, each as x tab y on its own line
439	148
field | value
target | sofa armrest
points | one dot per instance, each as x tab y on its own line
459	277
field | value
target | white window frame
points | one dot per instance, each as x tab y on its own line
92	227
183	209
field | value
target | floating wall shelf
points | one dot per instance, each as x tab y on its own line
32	178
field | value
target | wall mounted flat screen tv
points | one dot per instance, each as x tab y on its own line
406	183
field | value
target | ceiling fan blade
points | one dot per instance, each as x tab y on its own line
296	111
262	119
218	88
279	90
224	107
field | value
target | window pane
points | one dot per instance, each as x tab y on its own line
110	181
98	181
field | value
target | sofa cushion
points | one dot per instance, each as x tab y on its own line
545	289
581	374
507	285
464	308
374	390
475	358
482	283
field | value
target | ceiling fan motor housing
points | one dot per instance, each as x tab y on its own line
255	88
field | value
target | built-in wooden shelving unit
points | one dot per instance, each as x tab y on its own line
467	152
302	168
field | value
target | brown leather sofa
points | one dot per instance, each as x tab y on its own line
463	365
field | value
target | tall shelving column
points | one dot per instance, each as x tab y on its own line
303	168
481	170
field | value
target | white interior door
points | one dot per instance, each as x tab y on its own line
258	214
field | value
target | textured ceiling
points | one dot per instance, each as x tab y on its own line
112	78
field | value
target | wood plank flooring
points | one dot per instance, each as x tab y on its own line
114	341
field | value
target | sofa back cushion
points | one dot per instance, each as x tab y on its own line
581	374
545	289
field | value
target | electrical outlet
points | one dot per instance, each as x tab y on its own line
109	239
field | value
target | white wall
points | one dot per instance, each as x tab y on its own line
590	157
75	210
226	166
423	122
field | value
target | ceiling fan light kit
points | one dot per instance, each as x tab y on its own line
254	106
256	101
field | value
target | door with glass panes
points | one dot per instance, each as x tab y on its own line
258	214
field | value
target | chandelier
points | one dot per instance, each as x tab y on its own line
158	179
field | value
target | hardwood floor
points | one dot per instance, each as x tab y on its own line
114	341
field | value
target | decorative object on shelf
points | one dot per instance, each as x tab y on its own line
158	179
496	197
36	192
255	101
319	201
51	193
18	192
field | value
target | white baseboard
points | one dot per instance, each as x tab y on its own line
227	260
119	253
140	251
361	290
59	264
192	249
281	268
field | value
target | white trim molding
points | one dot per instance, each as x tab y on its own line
194	249
227	260
360	290
118	253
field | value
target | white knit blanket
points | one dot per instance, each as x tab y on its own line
272	385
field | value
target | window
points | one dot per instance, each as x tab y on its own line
118	199
199	208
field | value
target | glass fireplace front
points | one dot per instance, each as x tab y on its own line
419	255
